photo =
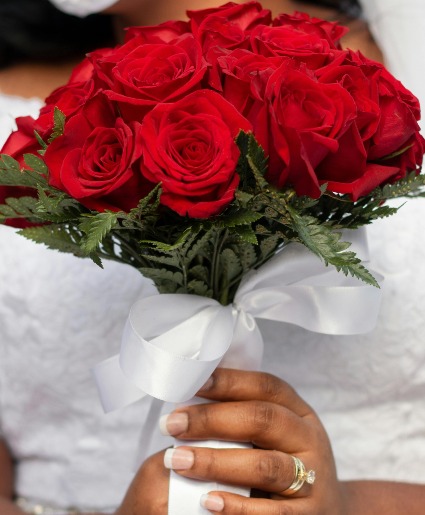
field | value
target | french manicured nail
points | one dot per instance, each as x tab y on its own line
212	502
178	459
174	424
208	385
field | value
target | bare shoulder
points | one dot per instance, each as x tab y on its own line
34	79
6	471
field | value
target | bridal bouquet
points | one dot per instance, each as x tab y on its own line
197	151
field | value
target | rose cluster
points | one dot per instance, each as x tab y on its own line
167	104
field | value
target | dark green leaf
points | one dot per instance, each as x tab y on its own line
36	164
58	124
96	227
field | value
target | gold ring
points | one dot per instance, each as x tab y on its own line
301	476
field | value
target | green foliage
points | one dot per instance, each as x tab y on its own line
202	257
36	164
56	237
23	207
11	174
327	244
410	186
41	142
95	228
252	164
58	124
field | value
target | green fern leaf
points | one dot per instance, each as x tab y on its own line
168	247
252	163
96	228
164	278
409	184
257	161
41	142
243	198
269	244
168	260
200	245
199	273
247	256
246	233
22	207
12	175
96	259
57	206
147	205
36	164
199	288
327	244
231	264
58	124
10	164
55	237
241	217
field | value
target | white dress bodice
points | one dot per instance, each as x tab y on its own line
58	316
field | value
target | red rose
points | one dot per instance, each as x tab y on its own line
244	76
307	122
399	114
22	141
141	75
227	26
189	147
323	29
294	37
81	86
162	33
361	83
95	160
386	122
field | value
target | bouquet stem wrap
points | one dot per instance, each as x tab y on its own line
173	343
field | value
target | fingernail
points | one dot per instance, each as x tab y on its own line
212	502
208	385
178	459
174	424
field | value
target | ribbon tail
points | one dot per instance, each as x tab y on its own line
149	429
115	390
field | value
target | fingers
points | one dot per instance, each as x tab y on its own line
264	424
237	385
231	504
269	471
148	492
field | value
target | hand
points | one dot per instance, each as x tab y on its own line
264	410
148	493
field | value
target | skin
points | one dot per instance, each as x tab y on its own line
264	410
257	407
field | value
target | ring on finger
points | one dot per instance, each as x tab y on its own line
301	476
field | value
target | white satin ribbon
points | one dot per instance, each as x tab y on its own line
173	343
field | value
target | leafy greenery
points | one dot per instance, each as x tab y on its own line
203	257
